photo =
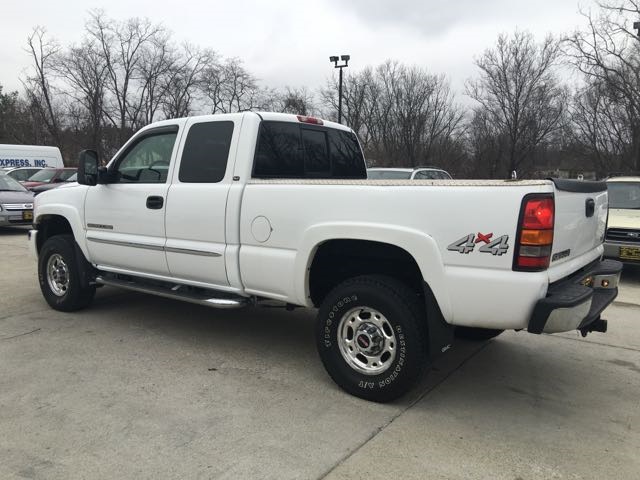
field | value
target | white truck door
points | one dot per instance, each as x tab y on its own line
197	200
125	219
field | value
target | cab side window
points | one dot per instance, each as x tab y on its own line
206	151
147	161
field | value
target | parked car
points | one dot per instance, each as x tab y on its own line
22	174
623	226
37	156
50	186
277	207
49	175
418	173
16	202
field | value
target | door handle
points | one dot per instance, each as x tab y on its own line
589	207
154	202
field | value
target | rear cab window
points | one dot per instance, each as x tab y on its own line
291	150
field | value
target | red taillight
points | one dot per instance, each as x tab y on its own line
535	233
311	120
538	214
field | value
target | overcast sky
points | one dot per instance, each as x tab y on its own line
287	42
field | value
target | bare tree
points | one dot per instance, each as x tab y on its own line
83	70
607	52
157	60
403	115
16	123
294	100
519	92
487	146
358	102
602	130
229	87
184	79
240	87
38	86
123	46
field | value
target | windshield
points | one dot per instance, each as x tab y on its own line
9	184
624	195
44	175
66	175
388	174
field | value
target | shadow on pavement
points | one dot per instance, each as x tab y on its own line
14	231
631	274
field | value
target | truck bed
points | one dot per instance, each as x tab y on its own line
399	183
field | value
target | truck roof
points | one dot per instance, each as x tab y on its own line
270	116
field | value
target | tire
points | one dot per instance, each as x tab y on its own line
471	333
64	289
387	322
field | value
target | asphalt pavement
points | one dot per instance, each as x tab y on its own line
144	387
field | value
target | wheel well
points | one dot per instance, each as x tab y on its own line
338	260
51	225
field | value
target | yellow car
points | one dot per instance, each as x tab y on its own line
623	227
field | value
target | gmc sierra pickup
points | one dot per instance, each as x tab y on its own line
232	210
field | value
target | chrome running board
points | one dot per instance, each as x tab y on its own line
177	292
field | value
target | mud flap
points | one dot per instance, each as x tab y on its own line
86	272
440	333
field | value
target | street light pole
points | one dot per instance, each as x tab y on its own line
340	98
334	59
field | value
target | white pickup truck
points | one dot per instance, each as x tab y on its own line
236	209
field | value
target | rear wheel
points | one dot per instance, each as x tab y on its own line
371	339
471	333
59	275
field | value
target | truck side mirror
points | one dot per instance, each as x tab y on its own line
88	167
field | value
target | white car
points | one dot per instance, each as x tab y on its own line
418	173
623	225
232	210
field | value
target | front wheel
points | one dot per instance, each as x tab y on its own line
371	337
59	275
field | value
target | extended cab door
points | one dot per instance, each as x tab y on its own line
125	219
196	246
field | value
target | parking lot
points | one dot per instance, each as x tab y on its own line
144	387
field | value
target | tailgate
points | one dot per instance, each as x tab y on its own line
580	218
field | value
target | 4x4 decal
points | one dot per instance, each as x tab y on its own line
467	244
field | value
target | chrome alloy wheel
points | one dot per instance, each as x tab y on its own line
57	275
366	340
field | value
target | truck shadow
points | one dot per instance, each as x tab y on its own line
271	328
631	274
553	380
267	338
14	231
495	376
